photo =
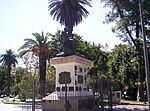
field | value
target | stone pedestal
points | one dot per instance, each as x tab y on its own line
76	90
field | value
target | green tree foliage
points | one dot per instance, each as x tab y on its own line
99	63
123	67
55	43
18	74
99	58
9	60
90	51
50	79
24	90
3	79
126	15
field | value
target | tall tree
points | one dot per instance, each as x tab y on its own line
123	67
126	15
68	12
9	60
40	48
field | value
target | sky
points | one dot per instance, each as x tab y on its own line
20	18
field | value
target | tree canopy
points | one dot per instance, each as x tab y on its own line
68	12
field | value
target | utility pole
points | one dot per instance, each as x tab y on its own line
147	71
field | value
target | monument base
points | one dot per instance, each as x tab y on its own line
78	97
56	102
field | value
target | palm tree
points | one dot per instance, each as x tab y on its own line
68	12
9	60
39	48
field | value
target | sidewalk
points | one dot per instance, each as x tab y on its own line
130	108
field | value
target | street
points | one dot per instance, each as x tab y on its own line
28	107
18	107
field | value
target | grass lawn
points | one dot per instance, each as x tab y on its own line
15	101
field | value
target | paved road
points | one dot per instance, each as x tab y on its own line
27	107
18	107
22	107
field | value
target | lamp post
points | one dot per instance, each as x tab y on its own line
147	71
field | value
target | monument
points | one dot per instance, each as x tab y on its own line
71	72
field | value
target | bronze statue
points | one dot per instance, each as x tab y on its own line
68	41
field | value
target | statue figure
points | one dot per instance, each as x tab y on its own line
68	41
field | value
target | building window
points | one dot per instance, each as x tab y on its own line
57	88
80	69
80	79
80	88
71	88
76	88
63	88
85	89
84	70
75	82
75	67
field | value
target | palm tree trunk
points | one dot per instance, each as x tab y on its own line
42	71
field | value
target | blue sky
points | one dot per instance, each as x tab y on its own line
20	18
